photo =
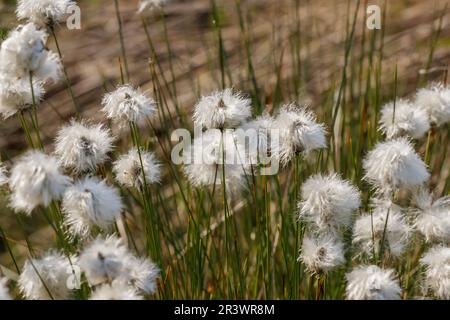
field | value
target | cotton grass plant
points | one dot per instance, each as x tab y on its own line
358	208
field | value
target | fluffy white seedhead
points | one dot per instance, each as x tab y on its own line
90	202
43	12
128	169
328	202
24	51
4	292
258	132
435	101
222	109
47	277
3	175
403	119
394	164
108	260
322	254
82	147
370	229
437	271
36	180
299	132
372	283
212	153
16	94
127	104
117	290
147	7
432	217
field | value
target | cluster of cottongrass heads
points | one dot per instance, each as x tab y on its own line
73	186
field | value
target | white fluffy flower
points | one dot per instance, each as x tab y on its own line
108	260
222	109
16	94
46	278
90	202
409	120
299	132
82	146
370	230
393	164
322	254
3	175
432	217
372	283
36	180
24	51
328	202
43	12
128	169
4	292
149	6
127	104
117	290
437	272
210	154
435	101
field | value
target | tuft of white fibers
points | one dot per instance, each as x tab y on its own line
3	175
432	218
4	292
372	283
322	254
258	132
16	94
82	146
437	271
403	119
36	180
222	109
147	7
107	260
24	52
299	132
128	169
370	229
127	104
210	154
394	164
117	290
90	202
43	12
435	101
328	202
47	277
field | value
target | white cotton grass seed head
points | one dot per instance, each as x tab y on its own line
299	133
222	109
117	290
372	283
24	51
16	94
128	169
371	229
405	118
128	104
4	292
435	101
148	7
142	273
437	271
46	277
81	146
90	202
3	175
321	254
204	163
43	12
328	202
36	180
394	164
432	217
